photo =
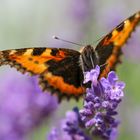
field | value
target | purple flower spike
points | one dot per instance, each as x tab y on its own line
96	119
100	103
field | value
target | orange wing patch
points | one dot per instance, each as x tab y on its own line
58	84
31	59
109	49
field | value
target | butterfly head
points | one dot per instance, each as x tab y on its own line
88	58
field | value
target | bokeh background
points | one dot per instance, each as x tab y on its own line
30	23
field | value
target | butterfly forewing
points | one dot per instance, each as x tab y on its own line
58	68
109	48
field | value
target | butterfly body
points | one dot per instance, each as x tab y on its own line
88	58
61	70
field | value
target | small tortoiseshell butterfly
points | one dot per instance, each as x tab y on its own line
61	70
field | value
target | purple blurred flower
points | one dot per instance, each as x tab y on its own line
96	119
69	128
81	10
78	14
23	106
133	46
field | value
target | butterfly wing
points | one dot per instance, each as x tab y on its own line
57	68
109	48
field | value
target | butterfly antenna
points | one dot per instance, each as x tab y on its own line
55	37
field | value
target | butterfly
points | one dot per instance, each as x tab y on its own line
60	70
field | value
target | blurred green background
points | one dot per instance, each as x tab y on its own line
30	23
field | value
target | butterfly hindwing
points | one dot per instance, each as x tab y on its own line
58	68
109	48
64	77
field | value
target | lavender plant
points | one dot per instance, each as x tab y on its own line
96	120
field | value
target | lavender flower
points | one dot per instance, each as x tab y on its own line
96	119
100	103
23	106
